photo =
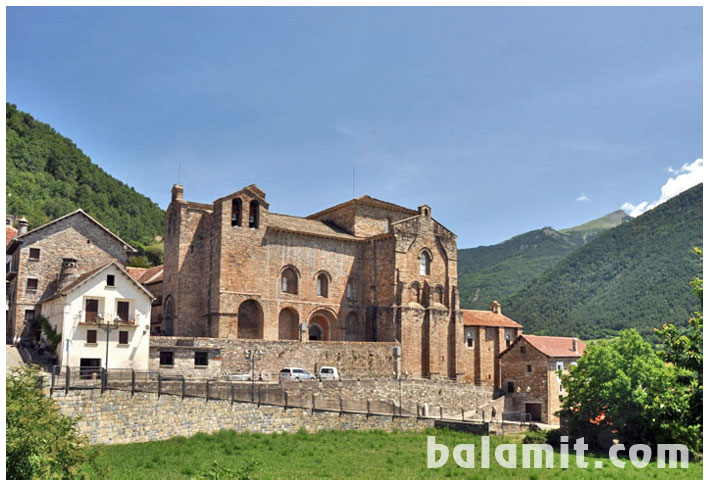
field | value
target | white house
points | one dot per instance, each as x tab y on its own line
84	304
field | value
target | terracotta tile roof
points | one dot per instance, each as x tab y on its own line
136	272
308	226
10	233
556	346
151	275
487	319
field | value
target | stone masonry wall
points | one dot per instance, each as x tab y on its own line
116	417
353	359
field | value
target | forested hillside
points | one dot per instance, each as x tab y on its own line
496	272
634	275
49	176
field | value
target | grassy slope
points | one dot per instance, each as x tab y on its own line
339	455
635	275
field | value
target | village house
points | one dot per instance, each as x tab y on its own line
103	316
487	334
529	369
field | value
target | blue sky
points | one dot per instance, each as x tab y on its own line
502	119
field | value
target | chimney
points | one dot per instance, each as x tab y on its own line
495	307
178	193
23	225
574	345
69	272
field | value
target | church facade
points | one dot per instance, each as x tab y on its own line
364	270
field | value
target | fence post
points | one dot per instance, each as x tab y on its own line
417	412
369	404
258	398
285	402
462	415
184	386
312	395
341	405
232	393
483	416
66	381
132	381
441	410
206	390
159	384
393	410
104	378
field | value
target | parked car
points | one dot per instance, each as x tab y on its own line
295	374
329	373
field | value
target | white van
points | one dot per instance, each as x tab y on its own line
328	373
294	374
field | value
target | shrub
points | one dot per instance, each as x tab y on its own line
41	443
535	437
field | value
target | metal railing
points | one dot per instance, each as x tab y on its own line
67	378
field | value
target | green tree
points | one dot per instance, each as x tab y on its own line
41	443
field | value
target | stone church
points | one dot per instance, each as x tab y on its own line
364	270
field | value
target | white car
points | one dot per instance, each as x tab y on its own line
329	373
293	374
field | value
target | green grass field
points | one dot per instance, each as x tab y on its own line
335	455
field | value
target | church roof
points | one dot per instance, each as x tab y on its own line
315	227
367	201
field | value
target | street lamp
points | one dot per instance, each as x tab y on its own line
108	325
252	356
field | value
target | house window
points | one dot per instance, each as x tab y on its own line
289	281
29	315
425	263
32	284
122	310
523	349
167	358
200	358
510	387
236	212
91	310
322	285
122	337
111	280
91	336
34	253
469	337
253	214
559	366
529	368
508	340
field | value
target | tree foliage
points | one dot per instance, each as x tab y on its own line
48	176
41	443
623	385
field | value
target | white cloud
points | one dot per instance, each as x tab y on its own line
689	175
582	198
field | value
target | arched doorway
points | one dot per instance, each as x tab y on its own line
288	328
169	316
315	333
354	331
250	320
320	326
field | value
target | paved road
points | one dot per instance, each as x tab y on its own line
12	357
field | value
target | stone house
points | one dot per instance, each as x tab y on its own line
83	304
529	369
487	334
34	260
364	270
